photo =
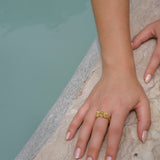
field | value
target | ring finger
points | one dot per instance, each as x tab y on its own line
98	133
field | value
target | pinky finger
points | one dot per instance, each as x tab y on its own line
77	120
115	133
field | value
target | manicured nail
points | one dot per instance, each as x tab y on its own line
144	136
89	158
109	158
68	135
148	78
77	153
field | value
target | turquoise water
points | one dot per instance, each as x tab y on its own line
41	45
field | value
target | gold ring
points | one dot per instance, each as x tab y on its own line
103	115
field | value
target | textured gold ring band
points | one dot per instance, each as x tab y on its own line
103	115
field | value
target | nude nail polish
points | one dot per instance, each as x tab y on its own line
89	158
109	158
68	135
148	78
77	153
144	136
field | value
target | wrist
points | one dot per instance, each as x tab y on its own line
119	65
120	74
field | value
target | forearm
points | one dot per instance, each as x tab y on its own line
112	21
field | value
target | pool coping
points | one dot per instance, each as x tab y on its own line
53	118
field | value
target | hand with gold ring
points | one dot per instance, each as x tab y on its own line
118	90
116	98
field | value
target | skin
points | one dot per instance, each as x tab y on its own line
117	92
150	31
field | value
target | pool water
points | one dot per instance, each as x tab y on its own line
41	45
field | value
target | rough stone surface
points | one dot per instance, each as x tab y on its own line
131	148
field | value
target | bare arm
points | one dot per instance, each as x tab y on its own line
117	92
112	20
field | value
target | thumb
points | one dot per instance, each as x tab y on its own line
143	35
144	118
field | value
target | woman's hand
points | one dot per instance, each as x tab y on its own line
117	92
150	31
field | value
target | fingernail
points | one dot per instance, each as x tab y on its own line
68	135
89	158
144	136
132	43
109	158
77	153
148	78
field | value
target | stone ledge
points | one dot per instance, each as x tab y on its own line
51	132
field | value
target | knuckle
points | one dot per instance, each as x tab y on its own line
115	131
73	125
80	141
75	122
87	123
78	116
86	103
84	107
81	109
98	129
153	32
93	149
